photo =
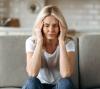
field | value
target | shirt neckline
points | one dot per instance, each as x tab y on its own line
51	54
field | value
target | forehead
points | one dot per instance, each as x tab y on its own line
51	19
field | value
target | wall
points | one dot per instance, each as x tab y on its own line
21	9
82	15
4	11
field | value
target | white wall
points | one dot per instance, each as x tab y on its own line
20	9
4	8
80	14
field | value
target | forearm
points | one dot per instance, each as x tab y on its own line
65	65
36	60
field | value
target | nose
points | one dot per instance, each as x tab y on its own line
51	29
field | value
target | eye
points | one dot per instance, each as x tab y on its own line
55	25
46	25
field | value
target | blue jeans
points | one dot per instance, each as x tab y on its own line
34	83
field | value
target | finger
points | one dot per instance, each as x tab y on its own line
60	26
40	25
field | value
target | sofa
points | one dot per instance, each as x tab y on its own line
13	61
89	61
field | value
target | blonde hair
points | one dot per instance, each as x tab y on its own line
51	10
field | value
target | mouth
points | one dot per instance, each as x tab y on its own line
51	34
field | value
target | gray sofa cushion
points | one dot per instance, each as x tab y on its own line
89	61
75	77
12	61
10	88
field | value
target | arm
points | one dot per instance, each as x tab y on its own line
34	58
66	61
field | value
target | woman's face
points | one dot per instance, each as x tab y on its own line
50	27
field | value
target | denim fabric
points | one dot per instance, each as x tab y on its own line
34	83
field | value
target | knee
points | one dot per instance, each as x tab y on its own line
65	80
33	80
66	83
31	83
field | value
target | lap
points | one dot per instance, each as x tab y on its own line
34	83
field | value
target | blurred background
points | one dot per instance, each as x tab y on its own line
19	15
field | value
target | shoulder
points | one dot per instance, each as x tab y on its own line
30	44
70	45
31	40
70	42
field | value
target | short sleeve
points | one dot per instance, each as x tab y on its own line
70	46
30	45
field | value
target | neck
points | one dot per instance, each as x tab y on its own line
51	42
50	45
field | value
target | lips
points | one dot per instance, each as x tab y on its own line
52	34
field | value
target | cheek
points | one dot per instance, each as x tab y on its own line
57	30
44	31
58	33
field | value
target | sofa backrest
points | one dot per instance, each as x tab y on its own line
12	61
75	77
89	61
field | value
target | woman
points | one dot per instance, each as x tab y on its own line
50	56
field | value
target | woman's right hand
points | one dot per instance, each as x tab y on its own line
38	31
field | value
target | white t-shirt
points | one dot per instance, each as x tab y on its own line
49	73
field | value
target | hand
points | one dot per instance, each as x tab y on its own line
63	31
38	31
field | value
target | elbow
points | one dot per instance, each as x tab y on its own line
31	72
66	73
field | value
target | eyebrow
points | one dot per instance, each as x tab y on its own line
48	23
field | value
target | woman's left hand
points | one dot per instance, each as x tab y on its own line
63	31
